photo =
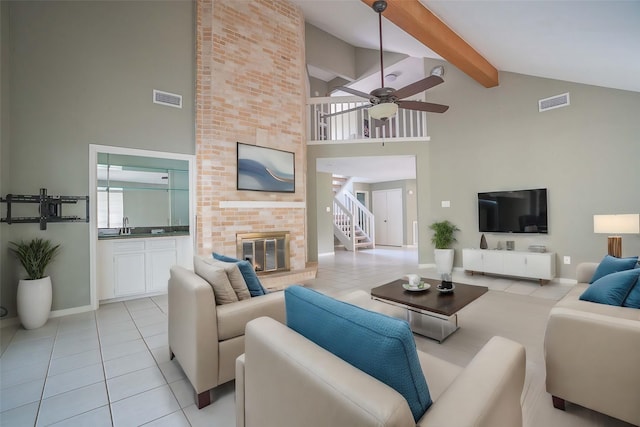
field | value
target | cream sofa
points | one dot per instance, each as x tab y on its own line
207	338
317	389
592	353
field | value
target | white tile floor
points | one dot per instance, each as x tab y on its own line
112	367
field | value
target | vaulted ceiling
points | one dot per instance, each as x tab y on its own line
585	41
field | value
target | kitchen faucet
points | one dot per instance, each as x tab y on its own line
125	226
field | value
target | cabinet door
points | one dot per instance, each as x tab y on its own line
492	262
515	264
129	274
472	260
160	263
104	269
539	266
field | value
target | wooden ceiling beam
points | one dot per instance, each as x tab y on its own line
418	21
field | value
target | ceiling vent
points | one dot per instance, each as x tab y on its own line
553	102
166	98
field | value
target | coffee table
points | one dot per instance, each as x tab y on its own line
430	312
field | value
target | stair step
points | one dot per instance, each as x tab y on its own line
363	245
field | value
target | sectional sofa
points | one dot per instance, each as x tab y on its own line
592	353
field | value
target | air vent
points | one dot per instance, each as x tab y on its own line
166	98
553	102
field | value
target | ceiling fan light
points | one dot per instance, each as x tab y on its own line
383	111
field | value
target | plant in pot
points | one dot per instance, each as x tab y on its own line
443	238
34	294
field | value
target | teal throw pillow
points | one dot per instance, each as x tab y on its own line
248	274
633	299
611	289
379	345
610	264
224	258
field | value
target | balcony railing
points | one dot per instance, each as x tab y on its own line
340	119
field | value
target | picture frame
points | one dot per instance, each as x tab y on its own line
265	169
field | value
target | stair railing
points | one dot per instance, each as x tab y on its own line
344	225
362	217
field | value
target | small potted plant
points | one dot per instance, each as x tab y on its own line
35	293
443	238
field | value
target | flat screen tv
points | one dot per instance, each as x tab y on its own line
265	169
520	211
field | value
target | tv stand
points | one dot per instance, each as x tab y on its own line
530	265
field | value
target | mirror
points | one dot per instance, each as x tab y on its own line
149	191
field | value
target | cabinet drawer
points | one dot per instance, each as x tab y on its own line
153	244
128	247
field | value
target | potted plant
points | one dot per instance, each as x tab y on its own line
443	238
34	294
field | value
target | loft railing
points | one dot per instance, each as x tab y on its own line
340	119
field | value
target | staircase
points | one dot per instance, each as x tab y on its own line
353	223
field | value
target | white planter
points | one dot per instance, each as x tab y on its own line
34	302
444	260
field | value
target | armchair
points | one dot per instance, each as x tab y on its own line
206	338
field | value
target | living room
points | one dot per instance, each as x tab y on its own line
81	73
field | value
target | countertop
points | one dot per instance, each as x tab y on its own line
142	232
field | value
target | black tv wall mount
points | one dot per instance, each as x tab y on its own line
50	208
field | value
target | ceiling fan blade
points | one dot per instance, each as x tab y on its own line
429	107
347	111
419	86
352	91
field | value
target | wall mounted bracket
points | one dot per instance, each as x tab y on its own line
50	208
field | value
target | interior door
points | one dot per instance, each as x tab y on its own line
388	211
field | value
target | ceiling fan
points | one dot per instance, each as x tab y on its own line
384	101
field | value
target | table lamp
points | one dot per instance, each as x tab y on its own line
615	225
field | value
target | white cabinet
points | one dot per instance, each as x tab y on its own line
129	274
139	266
161	255
492	262
531	265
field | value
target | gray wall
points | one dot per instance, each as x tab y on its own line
586	155
324	197
329	52
9	295
317	87
83	73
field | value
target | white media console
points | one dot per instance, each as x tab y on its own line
531	265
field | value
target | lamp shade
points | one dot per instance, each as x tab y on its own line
383	111
616	224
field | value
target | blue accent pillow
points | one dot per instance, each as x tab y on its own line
224	258
610	264
611	289
633	299
379	345
248	273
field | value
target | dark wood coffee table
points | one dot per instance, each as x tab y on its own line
430	312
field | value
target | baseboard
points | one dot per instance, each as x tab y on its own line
57	313
565	281
326	253
69	311
9	321
426	266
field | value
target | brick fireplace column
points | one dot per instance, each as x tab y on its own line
250	88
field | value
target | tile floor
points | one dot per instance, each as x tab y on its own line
112	367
